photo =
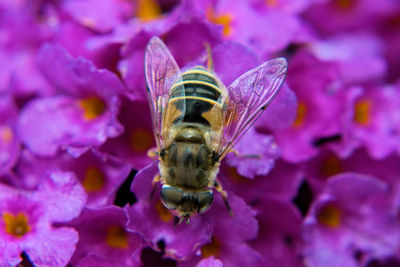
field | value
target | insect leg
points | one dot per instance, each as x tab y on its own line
238	154
218	187
156	179
153	153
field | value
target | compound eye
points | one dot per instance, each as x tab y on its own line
204	200
171	197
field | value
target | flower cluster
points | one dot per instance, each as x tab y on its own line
316	181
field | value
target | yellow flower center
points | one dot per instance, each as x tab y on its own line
344	4
163	212
142	140
117	237
331	166
211	249
301	114
271	3
16	225
94	179
224	19
6	134
329	216
147	10
362	112
235	176
92	107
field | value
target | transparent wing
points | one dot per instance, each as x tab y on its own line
161	71
247	97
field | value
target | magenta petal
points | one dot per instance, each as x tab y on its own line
176	38
282	111
241	226
9	254
77	77
210	262
9	142
55	201
63	195
43	125
142	184
232	60
101	261
53	248
21	75
283	180
366	224
97	234
47	124
180	240
258	154
361	52
137	139
106	15
279	239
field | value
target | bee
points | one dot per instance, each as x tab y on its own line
197	121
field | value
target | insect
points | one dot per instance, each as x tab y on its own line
197	121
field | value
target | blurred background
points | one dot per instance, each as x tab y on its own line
75	129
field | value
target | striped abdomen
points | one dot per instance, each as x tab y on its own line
201	93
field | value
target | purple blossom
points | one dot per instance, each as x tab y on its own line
85	112
281	113
315	115
137	139
352	218
20	75
232	60
265	29
359	57
391	37
108	238
342	16
279	237
104	18
254	158
75	39
9	142
327	164
230	234
99	174
315	180
371	120
210	262
177	30
27	221
283	181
